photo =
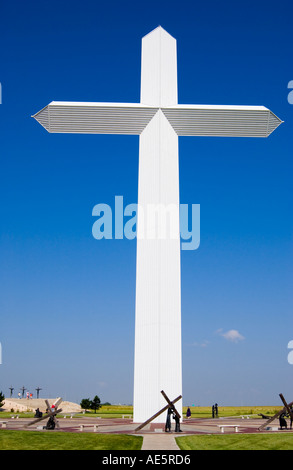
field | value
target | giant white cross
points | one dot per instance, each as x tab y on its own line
158	119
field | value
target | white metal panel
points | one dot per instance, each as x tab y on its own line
43	117
273	123
95	118
159	69
158	289
229	121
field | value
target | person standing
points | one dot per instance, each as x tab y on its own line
168	420
216	410
177	423
282	421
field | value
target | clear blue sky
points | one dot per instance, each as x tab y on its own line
67	301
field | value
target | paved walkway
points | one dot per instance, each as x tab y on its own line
154	437
159	442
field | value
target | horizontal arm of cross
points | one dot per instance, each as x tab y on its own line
95	118
222	121
132	118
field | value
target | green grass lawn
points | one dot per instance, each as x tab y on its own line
237	442
35	440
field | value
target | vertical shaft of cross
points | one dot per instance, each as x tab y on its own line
159	69
158	295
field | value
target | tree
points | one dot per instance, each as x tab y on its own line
85	403
2	398
96	403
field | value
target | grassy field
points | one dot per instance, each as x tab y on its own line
237	442
116	411
113	411
34	440
224	411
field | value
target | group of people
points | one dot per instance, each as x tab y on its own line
215	410
172	412
175	416
29	395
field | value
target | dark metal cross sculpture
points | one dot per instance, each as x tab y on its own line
287	408
170	403
51	413
38	391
